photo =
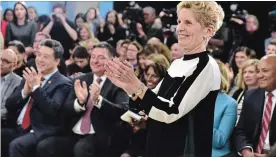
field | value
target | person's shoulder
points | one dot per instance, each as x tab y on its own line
16	77
227	100
251	94
85	77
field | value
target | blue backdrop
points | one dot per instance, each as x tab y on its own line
45	7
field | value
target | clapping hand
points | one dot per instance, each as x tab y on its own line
32	77
122	75
94	90
81	91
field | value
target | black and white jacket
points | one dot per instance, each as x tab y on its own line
181	108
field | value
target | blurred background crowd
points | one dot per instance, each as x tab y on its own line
144	33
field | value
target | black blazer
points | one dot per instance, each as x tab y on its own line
46	117
114	104
248	129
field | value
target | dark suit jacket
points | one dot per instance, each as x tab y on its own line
114	104
248	129
45	114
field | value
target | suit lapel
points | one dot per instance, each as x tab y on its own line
258	104
105	88
51	81
272	128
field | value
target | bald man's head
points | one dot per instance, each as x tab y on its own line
8	61
267	72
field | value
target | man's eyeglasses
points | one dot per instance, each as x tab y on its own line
5	61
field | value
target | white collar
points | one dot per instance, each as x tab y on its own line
103	78
273	92
47	77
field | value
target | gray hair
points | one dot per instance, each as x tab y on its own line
151	9
55	45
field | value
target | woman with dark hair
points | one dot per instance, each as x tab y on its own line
42	21
112	31
8	15
154	73
79	21
241	54
20	28
92	16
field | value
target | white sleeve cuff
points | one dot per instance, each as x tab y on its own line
99	105
239	152
23	95
78	107
35	87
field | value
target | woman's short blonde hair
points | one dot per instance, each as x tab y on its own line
87	26
207	13
159	59
85	43
224	85
246	64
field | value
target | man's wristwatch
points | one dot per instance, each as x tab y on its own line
97	100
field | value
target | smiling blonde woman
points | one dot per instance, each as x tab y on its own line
181	107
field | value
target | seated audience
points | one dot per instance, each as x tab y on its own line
9	80
37	103
224	118
241	54
93	107
81	62
247	79
154	73
255	132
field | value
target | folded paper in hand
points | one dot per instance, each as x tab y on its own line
128	116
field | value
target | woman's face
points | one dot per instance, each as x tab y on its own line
190	33
111	17
31	13
152	79
250	76
131	52
142	61
9	16
84	34
79	22
240	58
91	14
20	11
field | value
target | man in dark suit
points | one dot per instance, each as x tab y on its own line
38	100
255	132
94	113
